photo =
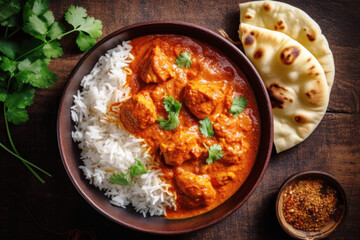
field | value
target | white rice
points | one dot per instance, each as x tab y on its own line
107	147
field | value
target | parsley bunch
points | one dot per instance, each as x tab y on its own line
29	39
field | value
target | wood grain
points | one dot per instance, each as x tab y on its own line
30	210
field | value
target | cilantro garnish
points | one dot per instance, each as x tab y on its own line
183	60
123	179
206	127
171	105
173	108
137	169
120	179
238	105
25	52
215	153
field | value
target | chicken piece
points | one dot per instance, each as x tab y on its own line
180	148
202	97
157	67
234	152
222	178
197	188
226	126
138	112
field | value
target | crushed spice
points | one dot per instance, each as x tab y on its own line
309	204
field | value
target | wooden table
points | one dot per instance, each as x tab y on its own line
55	210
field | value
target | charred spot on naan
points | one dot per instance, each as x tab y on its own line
313	71
280	25
277	95
249	40
299	119
267	6
289	55
312	95
248	16
311	37
259	53
315	95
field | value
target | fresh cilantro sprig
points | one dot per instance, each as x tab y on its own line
24	59
89	28
173	108
238	105
215	153
120	179
137	169
183	60
171	105
206	127
123	178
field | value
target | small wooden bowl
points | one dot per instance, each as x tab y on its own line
335	220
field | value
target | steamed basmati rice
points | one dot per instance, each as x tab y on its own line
106	147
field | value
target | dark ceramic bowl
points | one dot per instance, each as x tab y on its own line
332	224
128	217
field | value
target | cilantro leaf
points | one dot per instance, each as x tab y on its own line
20	99
85	42
12	21
56	30
75	16
9	9
173	108
48	18
8	48
34	7
17	115
206	127
17	102
37	74
171	123
3	94
184	59
137	169
35	27
8	65
92	26
215	153
120	179
171	105
42	79
238	105
52	49
89	28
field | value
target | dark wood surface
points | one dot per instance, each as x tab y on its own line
55	210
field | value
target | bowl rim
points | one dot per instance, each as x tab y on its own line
267	113
311	174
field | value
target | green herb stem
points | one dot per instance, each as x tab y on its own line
16	151
6	32
41	45
13	33
24	160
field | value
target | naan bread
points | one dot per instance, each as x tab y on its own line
295	23
294	79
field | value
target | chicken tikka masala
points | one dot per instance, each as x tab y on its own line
197	113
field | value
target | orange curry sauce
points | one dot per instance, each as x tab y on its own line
207	88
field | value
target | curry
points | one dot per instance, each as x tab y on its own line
207	88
